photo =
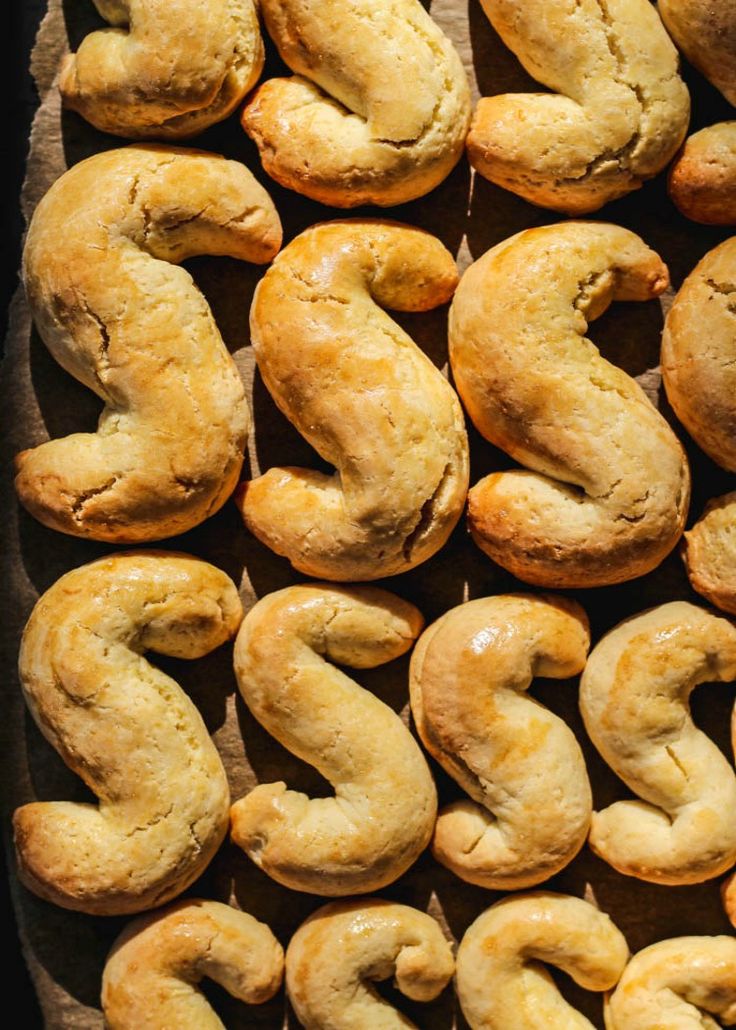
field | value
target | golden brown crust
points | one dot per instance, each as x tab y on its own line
364	396
709	553
101	275
519	762
151	973
702	178
634	698
674	983
706	34
107	711
501	983
342	948
699	354
167	70
609	491
385	802
618	113
378	110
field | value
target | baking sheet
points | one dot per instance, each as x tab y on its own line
66	951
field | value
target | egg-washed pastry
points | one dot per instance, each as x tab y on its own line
165	69
102	277
682	982
334	958
634	699
368	400
384	806
521	764
127	729
616	115
152	972
605	490
378	109
502	982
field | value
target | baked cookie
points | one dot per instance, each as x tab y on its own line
682	982
383	811
617	113
100	268
166	69
501	981
702	178
126	729
605	490
364	396
634	699
519	762
151	974
336	955
378	109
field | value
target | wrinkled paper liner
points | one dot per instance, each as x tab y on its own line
66	951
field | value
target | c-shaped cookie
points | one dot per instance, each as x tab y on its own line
378	110
519	762
127	729
385	802
673	984
364	396
335	955
634	700
501	982
618	112
609	491
114	310
152	970
167	69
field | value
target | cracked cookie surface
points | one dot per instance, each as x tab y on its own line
605	490
101	273
365	397
634	699
618	113
378	109
127	729
166	69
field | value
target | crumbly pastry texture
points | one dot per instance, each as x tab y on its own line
702	178
151	974
617	114
365	397
336	955
605	490
383	811
378	109
685	983
520	764
165	69
100	268
634	698
501	980
127	729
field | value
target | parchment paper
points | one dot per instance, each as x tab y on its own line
66	951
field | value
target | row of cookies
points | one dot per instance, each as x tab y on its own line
336	956
378	109
604	488
107	711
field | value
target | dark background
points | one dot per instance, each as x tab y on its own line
22	99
